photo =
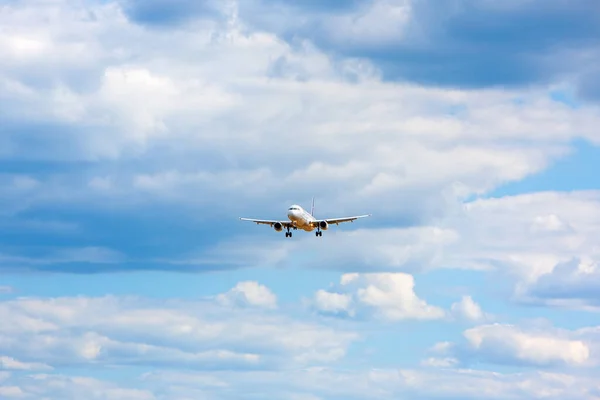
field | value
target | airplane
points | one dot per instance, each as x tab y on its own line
300	218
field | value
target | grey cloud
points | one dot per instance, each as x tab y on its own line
589	83
461	43
574	283
331	6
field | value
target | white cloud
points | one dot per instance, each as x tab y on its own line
442	347
124	331
249	293
389	296
393	296
328	302
60	387
467	309
540	346
543	240
10	363
530	347
383	22
440	362
329	383
571	284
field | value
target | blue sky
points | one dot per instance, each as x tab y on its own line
133	134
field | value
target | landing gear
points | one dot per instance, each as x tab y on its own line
319	233
288	233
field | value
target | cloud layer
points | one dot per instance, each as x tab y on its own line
460	43
86	331
207	349
218	110
313	384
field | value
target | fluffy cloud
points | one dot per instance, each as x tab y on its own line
498	341
524	346
389	296
570	284
328	302
467	309
249	293
130	331
536	238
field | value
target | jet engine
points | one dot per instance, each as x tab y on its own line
278	226
323	225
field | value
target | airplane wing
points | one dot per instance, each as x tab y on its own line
338	221
268	222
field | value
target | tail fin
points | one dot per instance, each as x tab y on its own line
312	208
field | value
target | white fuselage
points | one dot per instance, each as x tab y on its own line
301	218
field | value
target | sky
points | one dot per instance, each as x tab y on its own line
135	133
